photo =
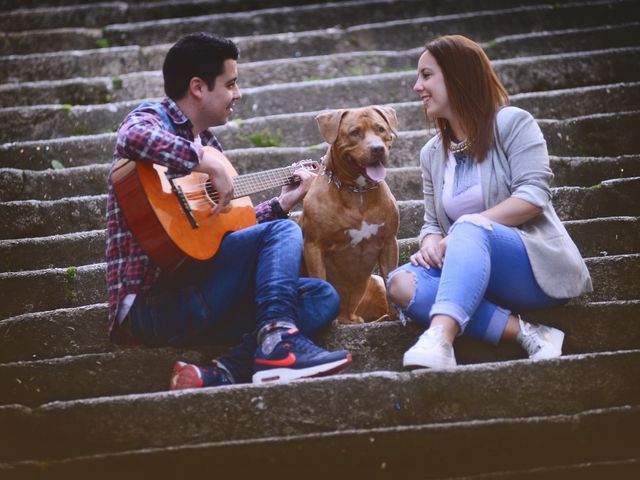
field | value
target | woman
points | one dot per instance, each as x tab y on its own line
492	244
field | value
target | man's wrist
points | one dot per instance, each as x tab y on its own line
277	210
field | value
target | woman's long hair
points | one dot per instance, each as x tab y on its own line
475	92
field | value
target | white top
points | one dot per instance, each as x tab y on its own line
469	200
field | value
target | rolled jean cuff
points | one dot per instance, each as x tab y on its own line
496	326
452	310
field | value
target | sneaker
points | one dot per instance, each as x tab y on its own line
431	350
540	341
294	357
188	375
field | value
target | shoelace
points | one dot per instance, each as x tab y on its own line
530	341
303	344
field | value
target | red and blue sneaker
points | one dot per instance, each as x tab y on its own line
294	357
188	375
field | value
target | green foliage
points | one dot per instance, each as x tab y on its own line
71	295
57	165
102	43
403	257
116	82
264	138
66	107
72	273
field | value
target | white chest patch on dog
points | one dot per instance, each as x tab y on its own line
361	181
366	231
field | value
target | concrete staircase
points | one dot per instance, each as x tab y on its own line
72	404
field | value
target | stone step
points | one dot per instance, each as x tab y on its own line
301	129
99	13
563	41
88	247
56	333
10	5
77	248
592	135
598	327
273	20
534	447
577	415
40	218
551	72
83	330
404	181
63	16
86	285
405	13
118	61
35	218
570	71
36	41
594	237
384	399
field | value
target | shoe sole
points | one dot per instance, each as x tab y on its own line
413	360
555	350
290	374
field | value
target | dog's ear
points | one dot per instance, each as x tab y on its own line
329	123
389	114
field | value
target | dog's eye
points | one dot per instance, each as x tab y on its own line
355	132
381	129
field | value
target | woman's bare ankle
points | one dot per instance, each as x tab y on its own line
450	327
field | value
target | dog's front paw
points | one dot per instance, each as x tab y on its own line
350	320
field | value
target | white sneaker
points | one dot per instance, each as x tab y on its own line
540	341
431	350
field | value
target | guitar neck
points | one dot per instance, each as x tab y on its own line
251	183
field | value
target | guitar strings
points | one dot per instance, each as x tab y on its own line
202	194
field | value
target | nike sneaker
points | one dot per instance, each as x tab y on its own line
294	357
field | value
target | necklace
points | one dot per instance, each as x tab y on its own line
460	147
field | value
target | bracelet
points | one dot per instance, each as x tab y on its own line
276	209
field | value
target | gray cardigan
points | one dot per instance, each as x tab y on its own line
517	166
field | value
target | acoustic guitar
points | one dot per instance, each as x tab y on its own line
172	219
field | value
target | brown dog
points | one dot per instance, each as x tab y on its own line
350	218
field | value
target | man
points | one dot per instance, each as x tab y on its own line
250	290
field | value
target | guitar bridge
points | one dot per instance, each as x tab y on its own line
184	203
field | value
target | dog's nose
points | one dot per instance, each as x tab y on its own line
377	149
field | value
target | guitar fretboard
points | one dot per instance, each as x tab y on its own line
251	183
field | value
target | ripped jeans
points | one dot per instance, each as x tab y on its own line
485	276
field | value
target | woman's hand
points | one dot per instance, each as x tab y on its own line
431	253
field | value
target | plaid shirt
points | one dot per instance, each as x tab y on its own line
159	133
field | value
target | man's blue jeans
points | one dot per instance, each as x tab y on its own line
486	275
252	280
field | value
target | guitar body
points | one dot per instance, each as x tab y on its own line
158	220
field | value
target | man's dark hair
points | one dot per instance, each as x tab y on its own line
199	55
